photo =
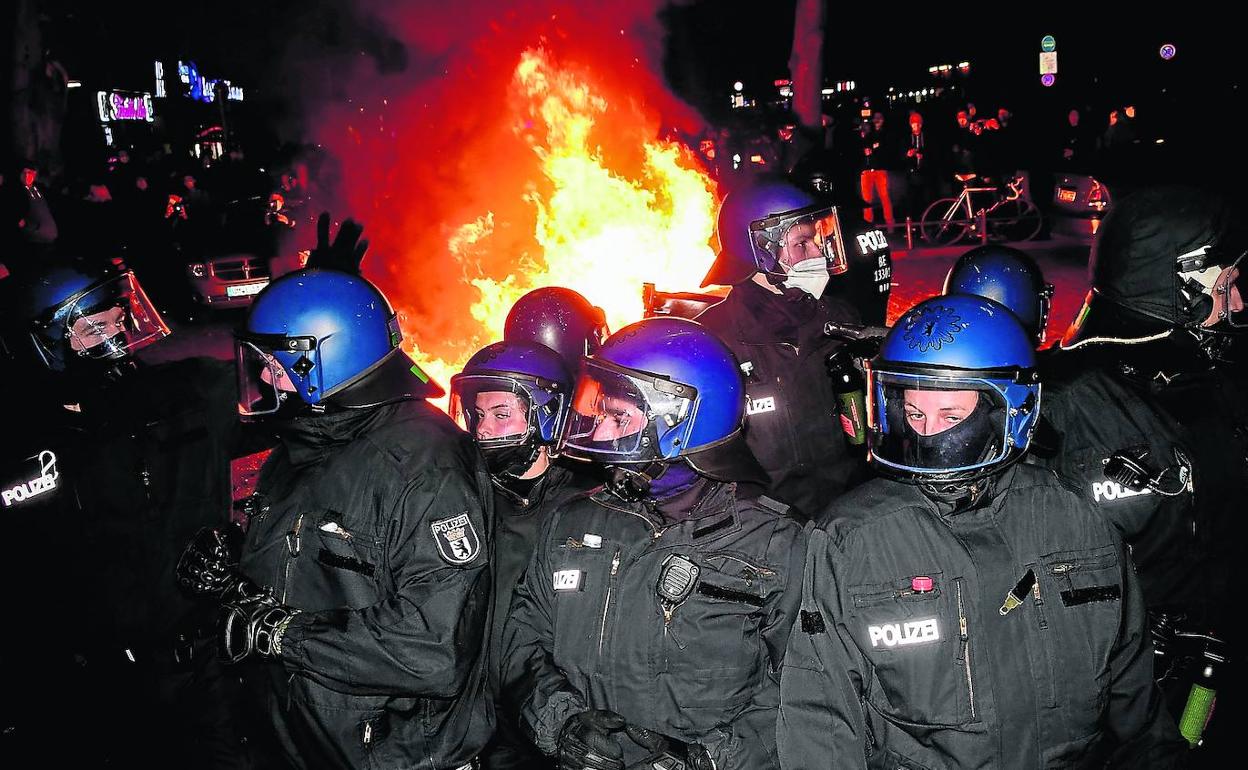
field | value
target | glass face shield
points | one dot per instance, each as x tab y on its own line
620	415
926	425
793	240
264	382
1224	285
1229	289
495	411
1046	306
108	321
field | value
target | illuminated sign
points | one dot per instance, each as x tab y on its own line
1048	43
1168	51
1048	63
160	80
1047	79
116	105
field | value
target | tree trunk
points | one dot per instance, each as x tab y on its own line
806	64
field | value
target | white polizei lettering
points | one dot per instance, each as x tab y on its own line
903	634
1112	490
44	482
757	405
567	580
872	241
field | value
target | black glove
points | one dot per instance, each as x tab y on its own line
209	564
254	625
586	741
669	753
346	253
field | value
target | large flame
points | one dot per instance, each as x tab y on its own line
602	231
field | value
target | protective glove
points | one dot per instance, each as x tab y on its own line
209	563
586	741
254	625
669	753
346	253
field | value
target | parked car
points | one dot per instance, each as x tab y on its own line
1080	202
232	280
249	250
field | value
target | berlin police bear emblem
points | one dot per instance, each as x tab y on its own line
457	539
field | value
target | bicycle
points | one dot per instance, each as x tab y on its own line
1010	217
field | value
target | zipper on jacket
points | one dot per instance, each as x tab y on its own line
606	606
292	549
750	567
965	659
1039	602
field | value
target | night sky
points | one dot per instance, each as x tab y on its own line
708	44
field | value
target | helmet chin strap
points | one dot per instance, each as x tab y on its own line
632	484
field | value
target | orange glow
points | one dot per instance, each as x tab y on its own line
601	227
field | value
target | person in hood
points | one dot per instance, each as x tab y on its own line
1150	400
359	602
793	268
967	609
650	622
513	398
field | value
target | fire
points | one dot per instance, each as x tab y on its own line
602	231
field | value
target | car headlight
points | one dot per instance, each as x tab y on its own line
198	269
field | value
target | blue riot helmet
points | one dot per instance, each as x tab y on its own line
323	338
513	398
954	393
662	390
780	230
1007	276
69	316
559	318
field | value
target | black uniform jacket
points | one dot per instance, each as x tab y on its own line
792	423
1191	428
588	629
374	523
902	657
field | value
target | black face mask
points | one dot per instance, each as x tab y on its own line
513	461
966	443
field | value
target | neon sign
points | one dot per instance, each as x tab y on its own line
116	105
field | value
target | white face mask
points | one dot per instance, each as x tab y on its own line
809	275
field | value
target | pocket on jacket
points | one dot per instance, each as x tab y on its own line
1083	608
911	638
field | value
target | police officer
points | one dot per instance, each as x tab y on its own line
115	464
361	597
969	610
561	319
651	620
781	250
513	398
1150	400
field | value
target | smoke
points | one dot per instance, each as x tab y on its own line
434	144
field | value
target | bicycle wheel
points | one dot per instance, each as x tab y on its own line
942	222
1016	220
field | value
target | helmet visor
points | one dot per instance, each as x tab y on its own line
623	416
495	411
922	424
263	384
782	241
1229	291
110	320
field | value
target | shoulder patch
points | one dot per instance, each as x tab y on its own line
457	539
